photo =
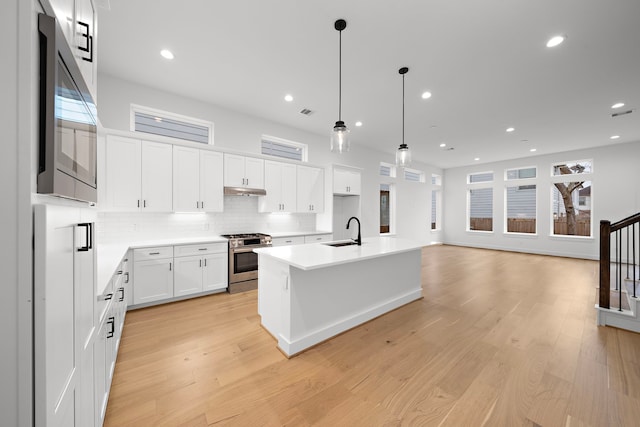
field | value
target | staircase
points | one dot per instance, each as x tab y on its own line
619	296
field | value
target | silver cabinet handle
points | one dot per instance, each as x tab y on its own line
202	249
154	253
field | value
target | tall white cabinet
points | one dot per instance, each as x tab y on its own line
197	180
64	292
138	175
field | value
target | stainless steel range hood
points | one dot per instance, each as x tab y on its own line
243	191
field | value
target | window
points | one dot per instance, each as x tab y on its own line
387	169
435	208
436	179
413	175
480	177
521	209
157	122
571	198
572	168
523	173
278	147
387	206
480	209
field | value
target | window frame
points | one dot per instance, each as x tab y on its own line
392	170
136	108
474	186
392	208
421	175
469	175
506	173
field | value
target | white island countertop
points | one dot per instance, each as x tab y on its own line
321	255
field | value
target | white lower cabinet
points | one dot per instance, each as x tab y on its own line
153	280
284	241
200	268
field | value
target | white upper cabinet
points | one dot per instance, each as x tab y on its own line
241	171
280	185
138	175
310	191
84	45
346	182
197	180
80	15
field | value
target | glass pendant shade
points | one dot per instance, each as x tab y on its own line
403	156
340	138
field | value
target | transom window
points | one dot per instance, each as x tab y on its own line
480	177
522	173
158	122
413	175
284	149
387	169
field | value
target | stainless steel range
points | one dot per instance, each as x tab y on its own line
243	262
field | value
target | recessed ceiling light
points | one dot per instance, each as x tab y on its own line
556	40
443	145
358	124
533	150
510	129
615	137
166	53
618	105
476	159
426	95
288	98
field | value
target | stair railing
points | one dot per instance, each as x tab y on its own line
618	231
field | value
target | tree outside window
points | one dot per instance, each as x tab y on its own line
572	199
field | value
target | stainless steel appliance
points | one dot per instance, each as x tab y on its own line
243	262
67	159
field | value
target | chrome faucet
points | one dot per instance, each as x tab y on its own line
359	239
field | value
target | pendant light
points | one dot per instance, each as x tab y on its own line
340	135
403	155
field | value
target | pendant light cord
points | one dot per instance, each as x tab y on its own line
340	77
403	109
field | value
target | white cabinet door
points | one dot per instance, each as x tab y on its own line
157	177
188	275
346	182
211	181
234	171
286	241
240	171
186	179
272	202
214	274
123	174
100	374
64	10
85	42
289	187
153	280
254	172
310	191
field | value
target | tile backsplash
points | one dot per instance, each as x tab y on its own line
240	216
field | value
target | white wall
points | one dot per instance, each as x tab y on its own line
615	195
241	132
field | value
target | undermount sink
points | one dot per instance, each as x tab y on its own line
338	244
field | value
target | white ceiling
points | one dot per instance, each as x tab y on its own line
485	62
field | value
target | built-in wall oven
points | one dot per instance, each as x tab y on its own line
67	160
243	262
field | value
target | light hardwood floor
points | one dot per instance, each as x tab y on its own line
500	339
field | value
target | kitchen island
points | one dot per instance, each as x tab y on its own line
310	293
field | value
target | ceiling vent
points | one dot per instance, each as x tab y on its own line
622	113
306	112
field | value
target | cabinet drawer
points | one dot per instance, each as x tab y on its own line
318	238
202	249
283	241
153	253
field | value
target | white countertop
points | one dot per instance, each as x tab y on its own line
320	255
109	255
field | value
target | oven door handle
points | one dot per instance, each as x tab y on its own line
245	250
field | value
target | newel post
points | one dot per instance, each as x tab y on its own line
605	263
